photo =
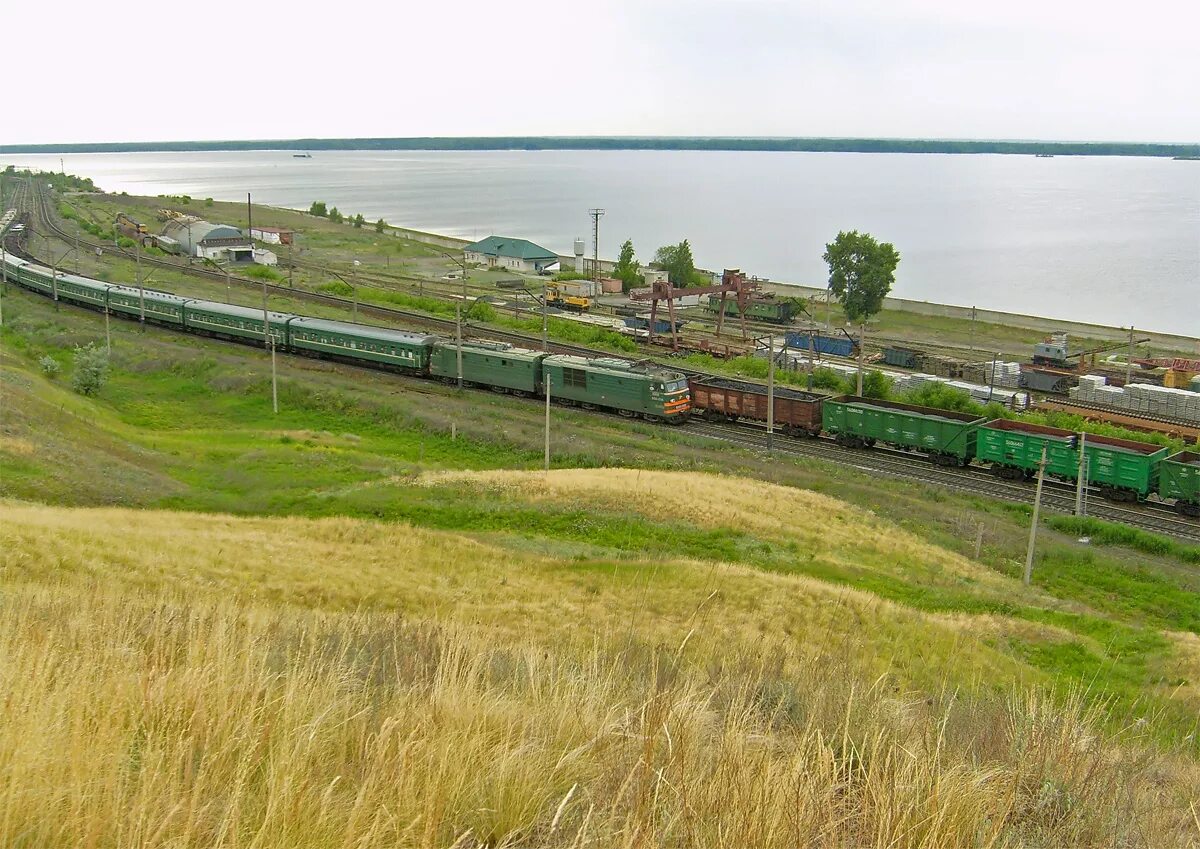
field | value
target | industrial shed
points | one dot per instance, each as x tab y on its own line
514	254
211	241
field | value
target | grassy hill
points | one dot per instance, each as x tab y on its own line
340	625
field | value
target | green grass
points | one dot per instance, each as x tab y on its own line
186	423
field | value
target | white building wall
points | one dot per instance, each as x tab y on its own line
265	236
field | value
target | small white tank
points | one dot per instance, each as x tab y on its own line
579	248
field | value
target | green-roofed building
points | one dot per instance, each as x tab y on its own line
515	254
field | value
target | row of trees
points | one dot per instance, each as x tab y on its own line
861	270
319	210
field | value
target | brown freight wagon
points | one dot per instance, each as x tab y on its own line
797	413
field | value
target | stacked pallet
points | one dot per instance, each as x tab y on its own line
1007	374
1144	398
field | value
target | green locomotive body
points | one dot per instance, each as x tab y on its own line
496	365
630	388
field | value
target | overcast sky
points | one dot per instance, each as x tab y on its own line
1016	69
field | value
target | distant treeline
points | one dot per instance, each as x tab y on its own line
821	145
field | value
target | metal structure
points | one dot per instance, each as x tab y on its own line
733	281
596	213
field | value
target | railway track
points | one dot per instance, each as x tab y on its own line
1057	497
39	207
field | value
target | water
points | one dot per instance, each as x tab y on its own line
1109	240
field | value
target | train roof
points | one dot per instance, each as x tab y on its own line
157	294
495	347
236	310
614	365
366	330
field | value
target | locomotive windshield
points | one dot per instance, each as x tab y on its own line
676	385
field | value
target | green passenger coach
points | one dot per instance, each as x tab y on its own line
409	351
235	321
496	365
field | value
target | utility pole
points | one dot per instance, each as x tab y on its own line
107	334
972	335
1037	506
547	460
3	273
269	341
1129	358
771	392
1081	479
595	213
458	339
137	253
354	287
992	382
862	349
811	356
545	295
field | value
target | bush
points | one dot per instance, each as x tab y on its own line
208	201
263	272
49	366
91	370
336	287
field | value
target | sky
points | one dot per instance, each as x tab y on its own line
1017	69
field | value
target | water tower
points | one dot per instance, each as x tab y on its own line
579	255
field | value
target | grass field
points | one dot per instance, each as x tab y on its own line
343	625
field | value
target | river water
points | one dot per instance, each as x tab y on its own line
1112	240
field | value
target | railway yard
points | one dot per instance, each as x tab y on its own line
411	285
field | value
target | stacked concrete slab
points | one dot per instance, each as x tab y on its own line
1142	398
1007	374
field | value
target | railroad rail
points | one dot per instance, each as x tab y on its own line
879	460
45	217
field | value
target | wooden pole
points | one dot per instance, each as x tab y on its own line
1037	505
547	458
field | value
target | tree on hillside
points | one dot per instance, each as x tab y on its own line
318	209
91	370
335	216
359	221
861	273
380	225
677	261
626	269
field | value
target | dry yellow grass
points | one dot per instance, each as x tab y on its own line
185	680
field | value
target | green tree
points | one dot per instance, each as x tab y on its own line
318	209
861	273
91	370
335	216
677	261
626	269
380	225
358	221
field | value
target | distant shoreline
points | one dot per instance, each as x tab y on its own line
680	143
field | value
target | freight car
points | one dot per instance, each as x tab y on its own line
796	413
946	436
1179	478
838	346
1123	470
